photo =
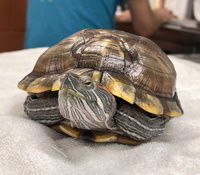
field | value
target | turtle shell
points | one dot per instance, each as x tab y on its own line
129	66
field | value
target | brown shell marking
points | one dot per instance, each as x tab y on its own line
122	87
119	86
50	65
137	58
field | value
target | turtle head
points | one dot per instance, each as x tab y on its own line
86	104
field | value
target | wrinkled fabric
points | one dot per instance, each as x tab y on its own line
27	147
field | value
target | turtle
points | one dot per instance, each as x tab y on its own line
103	86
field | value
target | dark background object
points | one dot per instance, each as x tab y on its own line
12	28
172	38
12	24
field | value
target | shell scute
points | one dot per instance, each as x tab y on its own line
141	72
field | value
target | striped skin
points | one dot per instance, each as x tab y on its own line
138	124
86	105
130	121
44	110
134	58
149	71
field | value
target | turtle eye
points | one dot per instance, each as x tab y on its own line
88	83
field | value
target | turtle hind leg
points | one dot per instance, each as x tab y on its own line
138	124
43	109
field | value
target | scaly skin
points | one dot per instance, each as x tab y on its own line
129	120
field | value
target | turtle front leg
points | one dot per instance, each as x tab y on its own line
43	109
138	124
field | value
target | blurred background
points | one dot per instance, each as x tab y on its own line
178	35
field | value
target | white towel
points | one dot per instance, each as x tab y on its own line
29	148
